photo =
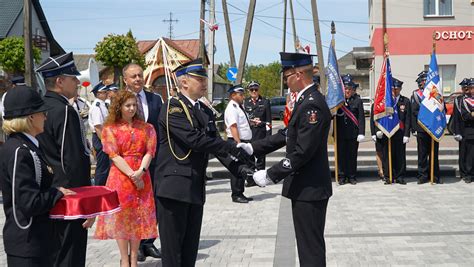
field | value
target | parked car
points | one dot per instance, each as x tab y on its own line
367	102
278	107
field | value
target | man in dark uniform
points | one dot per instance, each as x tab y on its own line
148	107
423	139
305	169
467	113
458	128
350	131
66	150
260	116
180	171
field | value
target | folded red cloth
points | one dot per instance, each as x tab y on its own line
88	202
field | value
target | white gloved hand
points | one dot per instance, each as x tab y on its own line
360	138
406	139
414	133
458	137
374	138
246	147
379	134
261	179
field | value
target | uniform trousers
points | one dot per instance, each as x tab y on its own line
309	219
424	153
462	158
347	157
14	261
469	161
103	162
237	183
180	229
398	157
70	243
257	134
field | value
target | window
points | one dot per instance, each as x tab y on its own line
438	7
447	74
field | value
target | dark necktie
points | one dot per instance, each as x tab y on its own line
140	107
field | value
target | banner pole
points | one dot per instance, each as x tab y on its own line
336	171
390	159
432	161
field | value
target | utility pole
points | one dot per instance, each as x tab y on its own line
293	23
283	49
170	27
29	72
210	50
202	35
246	41
229	34
319	47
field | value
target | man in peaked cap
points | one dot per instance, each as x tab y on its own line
458	127
305	168
260	115
112	90
66	149
238	130
97	116
467	113
423	139
351	131
180	171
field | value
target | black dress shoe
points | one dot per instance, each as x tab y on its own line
386	181
421	181
250	183
239	199
151	251
401	181
439	180
248	198
341	181
140	256
467	180
353	181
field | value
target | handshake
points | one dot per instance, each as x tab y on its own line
260	177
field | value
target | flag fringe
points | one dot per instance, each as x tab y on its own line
430	133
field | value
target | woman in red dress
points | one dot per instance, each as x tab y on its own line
130	143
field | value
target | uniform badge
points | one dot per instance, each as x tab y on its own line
312	117
234	105
310	97
175	110
50	170
402	108
286	163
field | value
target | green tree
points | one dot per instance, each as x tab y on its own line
116	51
12	55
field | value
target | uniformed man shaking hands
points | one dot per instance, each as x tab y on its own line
305	167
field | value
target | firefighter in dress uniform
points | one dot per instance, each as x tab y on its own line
458	128
467	113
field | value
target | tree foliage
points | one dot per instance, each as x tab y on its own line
267	75
12	55
119	50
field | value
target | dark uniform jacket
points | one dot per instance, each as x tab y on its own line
34	197
260	109
404	115
183	180
346	128
458	124
306	167
63	145
415	108
467	112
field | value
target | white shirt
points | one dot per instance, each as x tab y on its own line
300	93
32	139
235	115
97	113
142	96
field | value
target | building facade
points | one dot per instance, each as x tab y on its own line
411	25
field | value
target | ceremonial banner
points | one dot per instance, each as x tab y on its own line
432	115
385	112
335	95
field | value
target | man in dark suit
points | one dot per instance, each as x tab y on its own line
149	106
65	148
180	171
350	132
305	168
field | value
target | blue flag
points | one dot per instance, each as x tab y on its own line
432	115
385	108
335	95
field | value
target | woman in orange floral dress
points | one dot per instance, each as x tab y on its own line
130	143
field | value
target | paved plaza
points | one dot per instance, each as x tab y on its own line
369	224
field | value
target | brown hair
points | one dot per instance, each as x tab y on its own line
115	113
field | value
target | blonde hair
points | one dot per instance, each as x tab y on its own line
17	125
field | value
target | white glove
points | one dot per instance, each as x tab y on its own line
458	137
261	179
379	134
406	139
415	133
374	138
246	147
360	138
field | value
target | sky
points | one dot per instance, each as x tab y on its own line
79	25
